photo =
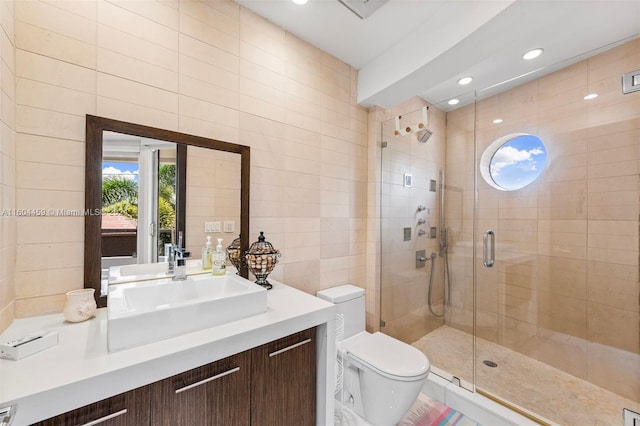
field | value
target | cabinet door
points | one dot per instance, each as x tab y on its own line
127	409
283	390
214	394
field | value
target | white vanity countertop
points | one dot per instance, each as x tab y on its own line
80	370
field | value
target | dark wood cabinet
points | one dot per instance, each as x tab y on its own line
271	385
283	388
131	408
214	394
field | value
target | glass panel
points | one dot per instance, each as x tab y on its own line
421	303
558	312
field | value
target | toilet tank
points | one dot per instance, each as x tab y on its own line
349	301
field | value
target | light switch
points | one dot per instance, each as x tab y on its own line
631	82
212	227
229	226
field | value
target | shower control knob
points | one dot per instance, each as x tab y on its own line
421	259
421	221
421	208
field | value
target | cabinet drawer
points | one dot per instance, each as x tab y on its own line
214	394
284	381
127	409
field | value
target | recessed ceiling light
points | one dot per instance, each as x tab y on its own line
465	80
454	102
299	1
590	96
532	54
497	121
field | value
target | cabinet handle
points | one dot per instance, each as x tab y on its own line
202	382
105	418
304	342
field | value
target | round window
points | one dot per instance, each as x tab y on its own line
513	161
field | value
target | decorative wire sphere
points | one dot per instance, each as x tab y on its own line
261	258
233	252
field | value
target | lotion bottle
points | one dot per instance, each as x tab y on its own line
207	253
219	260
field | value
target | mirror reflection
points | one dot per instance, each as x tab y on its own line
138	199
138	177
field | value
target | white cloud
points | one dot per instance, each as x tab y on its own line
509	156
113	171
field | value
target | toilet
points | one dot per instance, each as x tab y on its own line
382	375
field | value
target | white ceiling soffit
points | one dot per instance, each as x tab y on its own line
422	47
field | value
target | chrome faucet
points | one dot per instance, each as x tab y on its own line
180	269
169	255
174	252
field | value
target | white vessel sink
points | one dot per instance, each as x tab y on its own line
146	311
149	271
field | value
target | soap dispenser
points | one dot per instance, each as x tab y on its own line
207	252
219	260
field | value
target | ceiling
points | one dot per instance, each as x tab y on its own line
421	48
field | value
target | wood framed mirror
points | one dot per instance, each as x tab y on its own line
95	133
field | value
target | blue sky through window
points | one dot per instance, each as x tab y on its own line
112	168
518	162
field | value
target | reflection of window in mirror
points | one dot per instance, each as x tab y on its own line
138	199
213	195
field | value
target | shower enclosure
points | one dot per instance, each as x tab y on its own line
550	324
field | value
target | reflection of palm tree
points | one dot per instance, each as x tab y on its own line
120	196
118	188
167	196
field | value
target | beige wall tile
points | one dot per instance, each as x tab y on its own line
120	89
117	64
39	305
153	10
614	369
207	33
122	16
38	40
55	72
48	255
132	46
56	282
54	177
53	98
48	16
49	123
614	327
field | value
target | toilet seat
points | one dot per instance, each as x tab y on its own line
387	356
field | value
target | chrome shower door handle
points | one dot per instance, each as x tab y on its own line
488	259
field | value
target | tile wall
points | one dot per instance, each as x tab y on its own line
8	165
208	68
566	289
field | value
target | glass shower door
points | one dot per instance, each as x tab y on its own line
420	304
557	314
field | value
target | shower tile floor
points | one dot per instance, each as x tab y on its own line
525	382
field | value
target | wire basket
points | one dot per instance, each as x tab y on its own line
261	258
233	252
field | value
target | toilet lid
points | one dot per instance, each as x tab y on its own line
389	356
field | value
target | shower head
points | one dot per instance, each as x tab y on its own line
424	135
